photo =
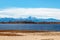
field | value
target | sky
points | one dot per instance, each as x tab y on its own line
25	8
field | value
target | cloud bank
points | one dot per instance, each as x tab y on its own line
35	12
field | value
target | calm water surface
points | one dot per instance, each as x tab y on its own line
55	27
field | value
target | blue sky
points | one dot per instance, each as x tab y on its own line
30	3
25	8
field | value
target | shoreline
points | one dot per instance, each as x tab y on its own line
29	22
29	31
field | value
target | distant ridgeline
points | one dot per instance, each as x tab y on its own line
30	20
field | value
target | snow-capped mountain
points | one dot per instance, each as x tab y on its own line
33	19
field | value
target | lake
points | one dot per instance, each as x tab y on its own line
50	27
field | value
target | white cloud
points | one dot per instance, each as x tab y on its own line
37	12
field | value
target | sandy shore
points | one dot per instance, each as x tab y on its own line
29	35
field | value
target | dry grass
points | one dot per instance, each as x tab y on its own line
2	34
14	32
22	31
30	32
28	35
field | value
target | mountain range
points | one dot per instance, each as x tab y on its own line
28	19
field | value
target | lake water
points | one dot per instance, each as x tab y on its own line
55	27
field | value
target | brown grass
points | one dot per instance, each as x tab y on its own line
22	31
14	32
2	34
